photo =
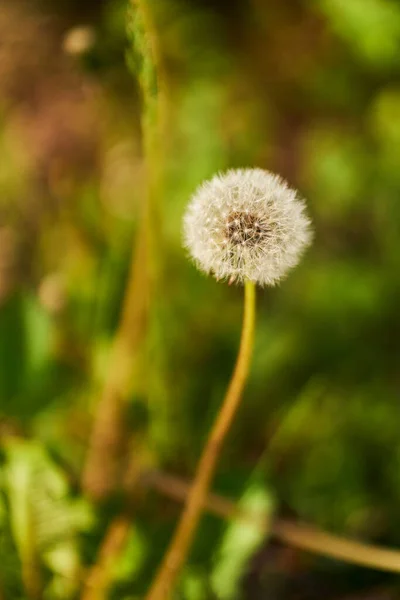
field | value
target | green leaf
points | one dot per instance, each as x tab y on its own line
44	520
240	540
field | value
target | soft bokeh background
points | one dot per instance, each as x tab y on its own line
309	89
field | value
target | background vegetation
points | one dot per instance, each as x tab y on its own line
107	125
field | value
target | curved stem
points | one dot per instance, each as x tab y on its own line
179	547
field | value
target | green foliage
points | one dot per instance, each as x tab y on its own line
307	89
371	28
11	579
240	541
44	521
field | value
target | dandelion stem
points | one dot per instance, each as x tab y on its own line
176	554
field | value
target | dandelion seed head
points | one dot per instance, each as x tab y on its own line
246	224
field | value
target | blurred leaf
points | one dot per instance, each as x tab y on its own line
195	585
10	570
133	557
44	521
240	541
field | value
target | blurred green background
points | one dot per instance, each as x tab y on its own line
89	170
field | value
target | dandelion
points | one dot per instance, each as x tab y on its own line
246	224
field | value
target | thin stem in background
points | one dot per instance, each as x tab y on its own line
177	552
102	466
298	535
99	577
301	536
103	463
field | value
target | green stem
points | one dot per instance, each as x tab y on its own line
180	545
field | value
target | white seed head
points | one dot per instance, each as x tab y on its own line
246	224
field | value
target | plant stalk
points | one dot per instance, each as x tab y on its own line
177	552
298	535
